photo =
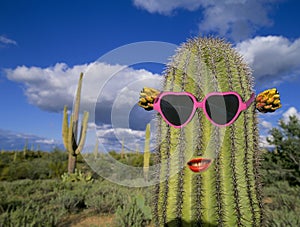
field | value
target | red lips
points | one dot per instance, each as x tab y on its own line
199	164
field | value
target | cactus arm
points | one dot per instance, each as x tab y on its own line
71	140
147	153
77	104
65	128
83	130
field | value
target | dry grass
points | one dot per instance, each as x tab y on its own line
93	221
84	220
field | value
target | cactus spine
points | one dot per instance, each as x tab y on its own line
147	153
228	193
70	130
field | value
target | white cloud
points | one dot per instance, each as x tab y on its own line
292	111
6	41
237	19
112	138
266	125
53	87
273	59
46	141
48	88
264	143
167	6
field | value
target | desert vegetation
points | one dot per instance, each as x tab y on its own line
36	189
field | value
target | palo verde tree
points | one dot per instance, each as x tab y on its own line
286	155
70	130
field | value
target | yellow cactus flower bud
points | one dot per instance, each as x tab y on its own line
268	101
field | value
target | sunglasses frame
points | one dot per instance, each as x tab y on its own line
242	106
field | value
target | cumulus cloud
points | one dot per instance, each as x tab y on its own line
109	92
264	143
273	59
292	111
167	6
267	125
47	88
10	140
237	19
6	41
53	87
46	141
112	138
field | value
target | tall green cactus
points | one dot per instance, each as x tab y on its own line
228	193
147	153
69	131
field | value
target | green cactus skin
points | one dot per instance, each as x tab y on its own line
147	153
228	193
69	131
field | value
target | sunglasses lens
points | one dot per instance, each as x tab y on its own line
176	108
221	109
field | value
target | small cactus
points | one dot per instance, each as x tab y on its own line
268	101
147	153
122	150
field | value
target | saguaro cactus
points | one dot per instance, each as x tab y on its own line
228	192
147	153
70	130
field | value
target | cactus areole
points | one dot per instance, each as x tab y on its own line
209	173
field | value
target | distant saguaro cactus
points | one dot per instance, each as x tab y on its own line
69	131
147	153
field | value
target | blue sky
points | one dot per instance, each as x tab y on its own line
44	45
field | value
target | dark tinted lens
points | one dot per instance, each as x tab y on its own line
222	109
176	108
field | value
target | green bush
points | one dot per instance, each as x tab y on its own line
72	195
105	198
135	213
29	203
77	176
282	204
30	214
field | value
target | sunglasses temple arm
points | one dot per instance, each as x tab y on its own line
252	98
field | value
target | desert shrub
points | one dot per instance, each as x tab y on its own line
72	196
283	217
77	176
29	203
34	165
105	197
282	203
134	213
30	214
49	202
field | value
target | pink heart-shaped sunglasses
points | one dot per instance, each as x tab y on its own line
220	108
